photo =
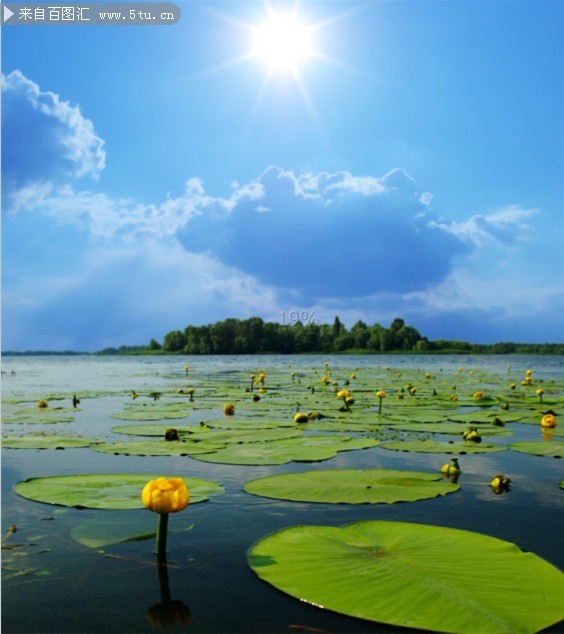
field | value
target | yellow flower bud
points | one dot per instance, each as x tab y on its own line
229	409
478	395
381	394
343	394
42	404
165	495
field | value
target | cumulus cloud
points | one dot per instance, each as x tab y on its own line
328	235
45	139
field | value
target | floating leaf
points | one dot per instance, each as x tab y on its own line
151	430
159	447
554	448
46	441
349	486
426	446
414	576
454	429
305	449
228	436
101	491
153	413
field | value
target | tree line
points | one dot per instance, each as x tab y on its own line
255	336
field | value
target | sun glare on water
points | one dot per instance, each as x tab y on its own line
282	42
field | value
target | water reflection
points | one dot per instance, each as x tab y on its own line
169	611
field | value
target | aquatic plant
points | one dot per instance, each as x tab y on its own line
165	496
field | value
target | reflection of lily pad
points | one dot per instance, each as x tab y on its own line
351	486
159	447
426	446
481	416
554	448
45	441
413	575
304	449
114	528
101	491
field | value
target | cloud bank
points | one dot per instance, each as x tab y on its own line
86	270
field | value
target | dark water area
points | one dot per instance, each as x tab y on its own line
53	584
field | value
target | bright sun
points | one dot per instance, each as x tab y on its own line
282	42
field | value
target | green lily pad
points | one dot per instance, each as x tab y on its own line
484	417
454	429
46	441
554	448
229	436
349	486
153	413
159	447
426	446
151	430
103	491
304	449
37	419
414	576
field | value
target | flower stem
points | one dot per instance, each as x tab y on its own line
380	406
161	534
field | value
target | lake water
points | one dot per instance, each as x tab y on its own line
52	583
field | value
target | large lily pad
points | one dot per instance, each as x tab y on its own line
454	429
47	441
430	446
413	576
554	448
350	486
156	448
103	491
151	430
304	449
153	413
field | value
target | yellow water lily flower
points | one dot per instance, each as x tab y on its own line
343	393
453	468
478	395
165	495
42	404
548	420
300	417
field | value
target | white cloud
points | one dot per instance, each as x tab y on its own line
504	226
74	134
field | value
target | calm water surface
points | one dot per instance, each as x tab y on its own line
52	584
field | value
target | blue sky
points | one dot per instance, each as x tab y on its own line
410	165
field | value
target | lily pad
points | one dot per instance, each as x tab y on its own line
150	430
554	448
153	413
454	429
156	448
414	576
304	449
350	486
103	491
46	441
426	446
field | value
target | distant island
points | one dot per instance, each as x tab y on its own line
255	336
